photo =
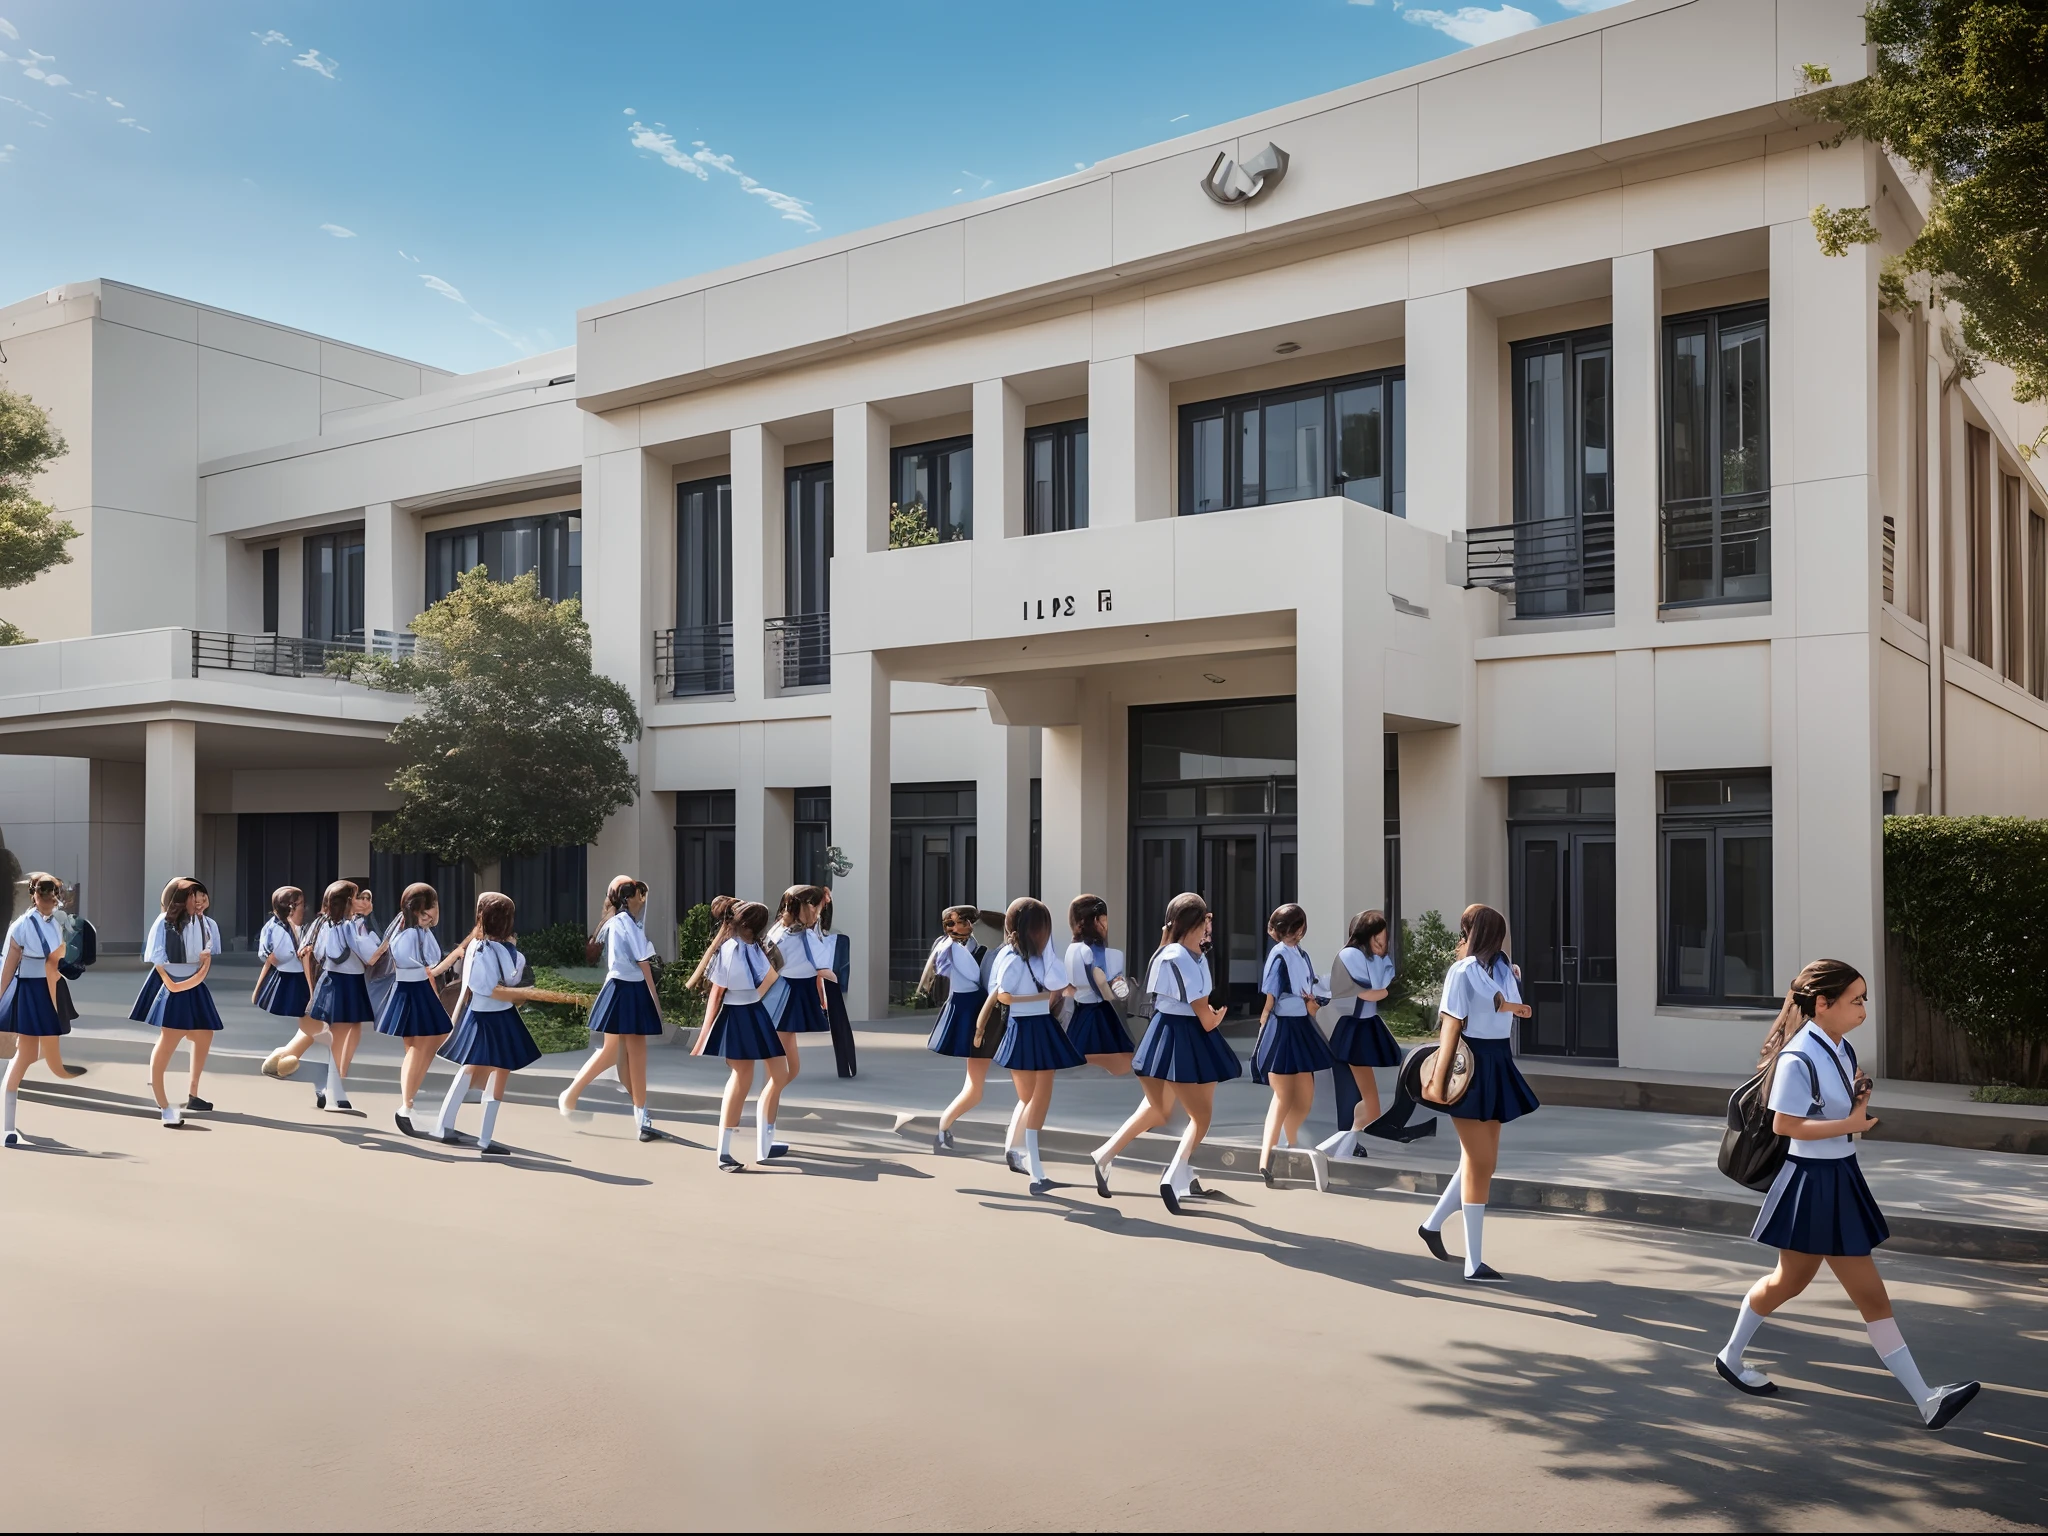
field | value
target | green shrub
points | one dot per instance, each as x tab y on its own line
680	1007
1968	897
910	527
558	944
559	1026
2005	1093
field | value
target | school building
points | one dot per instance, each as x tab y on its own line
1474	484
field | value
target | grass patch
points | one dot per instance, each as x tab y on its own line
2006	1093
1409	1020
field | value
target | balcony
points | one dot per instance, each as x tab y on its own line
1554	566
693	660
1717	553
288	655
800	650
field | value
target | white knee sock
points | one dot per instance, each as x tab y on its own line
171	1115
1030	1155
7	1106
1016	1120
1475	1235
483	1138
334	1094
725	1141
1176	1170
1890	1345
640	1116
1747	1321
1101	1158
764	1135
452	1105
1447	1202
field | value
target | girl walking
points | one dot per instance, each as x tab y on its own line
174	999
1027	978
281	986
738	1028
1097	972
1181	1058
414	1013
489	1042
806	962
958	959
341	998
29	1005
1481	1000
627	1012
1361	1041
1290	1050
1819	1208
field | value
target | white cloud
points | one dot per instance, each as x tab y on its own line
413	259
702	160
55	80
664	145
118	106
312	60
33	73
339	232
446	290
7	29
632	111
272	36
1475	24
1184	116
450	292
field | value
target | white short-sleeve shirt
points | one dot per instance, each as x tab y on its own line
1019	974
279	944
343	947
1176	978
1080	957
958	964
1290	977
414	951
805	951
201	936
740	968
39	938
1792	1088
1372	973
625	945
1469	991
490	963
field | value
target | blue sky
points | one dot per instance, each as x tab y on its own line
450	181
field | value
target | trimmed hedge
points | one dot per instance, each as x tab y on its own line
1968	897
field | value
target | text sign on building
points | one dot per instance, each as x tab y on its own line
1066	605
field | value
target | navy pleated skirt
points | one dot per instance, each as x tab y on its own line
743	1032
1821	1205
414	1012
1176	1049
953	1035
803	1014
1097	1029
190	1009
496	1037
624	1008
152	984
342	998
285	994
1289	1043
1365	1042
1034	1042
1498	1090
30	1012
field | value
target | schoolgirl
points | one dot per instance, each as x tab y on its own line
341	998
1481	1000
490	1041
806	961
281	987
174	999
1819	1208
1027	978
29	999
414	1012
1290	1049
1360	1040
628	1010
960	961
1181	1058
737	1027
1097	972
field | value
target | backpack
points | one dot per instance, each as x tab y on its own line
593	947
82	950
1752	1151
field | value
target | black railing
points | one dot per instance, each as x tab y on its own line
800	649
1554	565
1717	554
288	655
693	659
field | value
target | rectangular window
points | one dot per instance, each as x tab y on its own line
334	585
550	545
2012	553
1341	437
1563	474
807	541
705	846
813	835
271	593
1977	532
1056	477
939	477
548	888
1715	833
1717	508
2037	605
700	653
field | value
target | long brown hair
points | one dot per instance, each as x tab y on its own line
1366	927
1817	979
285	900
1184	914
1288	918
789	912
1482	934
736	919
1027	926
622	890
1088	919
417	898
494	917
177	900
336	901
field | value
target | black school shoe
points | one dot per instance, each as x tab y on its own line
1434	1242
727	1163
1953	1401
1166	1193
193	1101
1486	1274
649	1133
495	1149
1768	1389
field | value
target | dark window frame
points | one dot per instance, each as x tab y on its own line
1716	824
1067	444
558	551
273	589
798	481
1730	520
345	581
1231	412
951	523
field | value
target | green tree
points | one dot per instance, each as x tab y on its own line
1957	93
516	744
32	535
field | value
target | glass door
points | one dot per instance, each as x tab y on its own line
1563	938
1234	885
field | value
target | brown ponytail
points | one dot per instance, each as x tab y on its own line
722	909
1816	980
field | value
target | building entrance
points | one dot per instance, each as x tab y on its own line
1561	840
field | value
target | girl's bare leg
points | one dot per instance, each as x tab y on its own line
1794	1274
1118	1065
202	1043
789	1054
635	1048
604	1056
1368	1109
1301	1099
969	1094
1148	1116
167	1042
1270	1135
1864	1284
737	1087
1479	1144
781	1070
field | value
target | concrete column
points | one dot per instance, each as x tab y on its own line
1080	781
860	823
1938	614
1340	683
764	822
639	841
291	586
1002	813
1635	851
860	483
1130	443
114	880
998	463
757	516
352	847
1454	436
1637	318
385	590
170	813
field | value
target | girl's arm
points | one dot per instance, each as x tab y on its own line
1449	1028
647	971
197	978
1207	1016
255	991
10	965
1376	994
711	1006
1799	1128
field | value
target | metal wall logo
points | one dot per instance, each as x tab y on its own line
1229	184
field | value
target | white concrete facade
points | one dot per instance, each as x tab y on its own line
1598	177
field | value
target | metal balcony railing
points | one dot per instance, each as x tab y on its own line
289	655
693	659
1553	565
800	650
